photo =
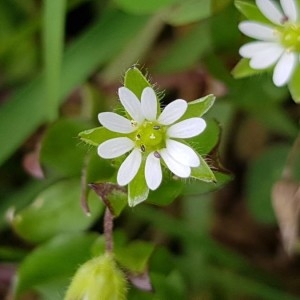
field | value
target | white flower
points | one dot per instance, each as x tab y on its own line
278	43
150	138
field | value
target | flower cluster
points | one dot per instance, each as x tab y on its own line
278	42
151	137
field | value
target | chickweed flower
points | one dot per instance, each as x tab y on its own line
278	42
151	137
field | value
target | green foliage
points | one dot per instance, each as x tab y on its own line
56	210
57	74
56	262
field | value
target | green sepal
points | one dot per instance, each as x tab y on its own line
205	142
294	86
243	69
134	256
167	192
203	172
199	107
137	189
251	11
135	81
97	135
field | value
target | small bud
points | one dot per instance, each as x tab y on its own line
98	278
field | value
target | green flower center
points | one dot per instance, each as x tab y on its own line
150	136
290	37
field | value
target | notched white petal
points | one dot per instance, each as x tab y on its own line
149	104
270	10
153	173
182	153
172	112
290	9
175	167
251	49
284	69
115	122
115	147
267	57
258	31
187	128
131	103
129	167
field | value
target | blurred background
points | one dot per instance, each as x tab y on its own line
61	63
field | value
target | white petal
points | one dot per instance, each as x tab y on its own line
187	128
270	10
251	49
149	104
129	167
267	57
115	147
115	122
131	103
290	9
153	173
284	68
182	153
174	166
172	112
258	31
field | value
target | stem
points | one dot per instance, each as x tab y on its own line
293	155
108	230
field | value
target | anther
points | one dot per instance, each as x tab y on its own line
156	127
133	123
156	154
143	148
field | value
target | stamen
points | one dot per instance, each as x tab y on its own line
156	127
143	148
284	19
156	154
133	123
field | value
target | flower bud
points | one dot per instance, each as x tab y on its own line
98	278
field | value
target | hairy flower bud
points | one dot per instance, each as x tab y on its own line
98	278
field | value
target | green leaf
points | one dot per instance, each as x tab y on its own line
188	11
143	7
186	51
203	172
263	173
251	11
199	107
134	256
167	192
197	187
56	210
61	137
135	81
243	69
218	5
53	51
294	85
97	135
98	169
55	260
137	189
93	49
136	49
